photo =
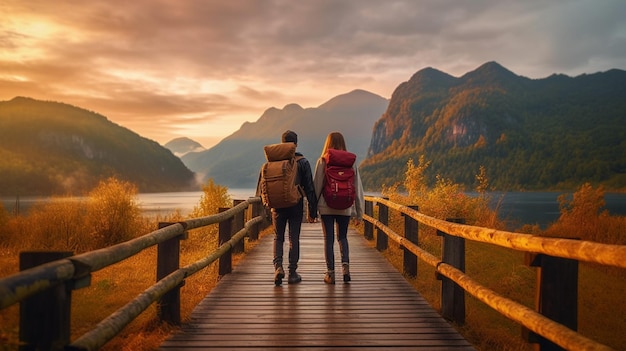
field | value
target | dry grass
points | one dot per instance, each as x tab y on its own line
114	286
52	227
602	307
146	333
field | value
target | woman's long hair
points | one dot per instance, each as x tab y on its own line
334	140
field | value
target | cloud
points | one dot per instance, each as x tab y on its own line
203	67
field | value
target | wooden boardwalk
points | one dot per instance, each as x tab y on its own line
378	310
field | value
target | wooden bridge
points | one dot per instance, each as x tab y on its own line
377	310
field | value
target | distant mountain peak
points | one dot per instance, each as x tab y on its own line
428	79
183	145
292	108
429	72
349	100
22	98
492	66
490	70
183	140
353	114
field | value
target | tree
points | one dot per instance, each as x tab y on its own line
415	178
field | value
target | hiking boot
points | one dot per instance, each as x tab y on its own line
294	278
346	272
279	274
329	277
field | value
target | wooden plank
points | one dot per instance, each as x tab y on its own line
377	310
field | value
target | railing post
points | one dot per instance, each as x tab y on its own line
225	232
557	295
410	233
45	317
168	261
255	229
381	237
238	222
368	228
452	295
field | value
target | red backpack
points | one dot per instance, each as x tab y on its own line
339	188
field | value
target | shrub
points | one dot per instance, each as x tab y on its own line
583	216
214	196
59	224
113	212
445	199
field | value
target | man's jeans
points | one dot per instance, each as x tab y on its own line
281	217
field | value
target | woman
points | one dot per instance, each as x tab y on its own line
331	216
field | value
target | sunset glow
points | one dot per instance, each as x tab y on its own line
202	68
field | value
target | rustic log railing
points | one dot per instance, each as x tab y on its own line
44	290
554	321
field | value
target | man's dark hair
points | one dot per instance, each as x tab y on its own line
290	137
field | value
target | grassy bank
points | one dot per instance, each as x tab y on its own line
602	307
70	225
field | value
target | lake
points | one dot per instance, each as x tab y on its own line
519	208
543	208
165	203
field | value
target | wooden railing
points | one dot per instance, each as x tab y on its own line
44	289
552	323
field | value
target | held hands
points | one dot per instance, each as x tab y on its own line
355	221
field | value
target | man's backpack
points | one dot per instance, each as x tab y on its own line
339	189
279	176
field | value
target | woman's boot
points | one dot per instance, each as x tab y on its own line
346	272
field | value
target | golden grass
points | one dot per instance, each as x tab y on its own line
9	317
602	307
146	333
65	225
113	287
601	303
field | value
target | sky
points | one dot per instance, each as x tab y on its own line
201	68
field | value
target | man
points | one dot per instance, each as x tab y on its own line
292	216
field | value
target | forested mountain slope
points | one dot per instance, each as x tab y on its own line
552	133
54	148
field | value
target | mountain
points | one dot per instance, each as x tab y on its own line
181	146
530	134
236	160
51	148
